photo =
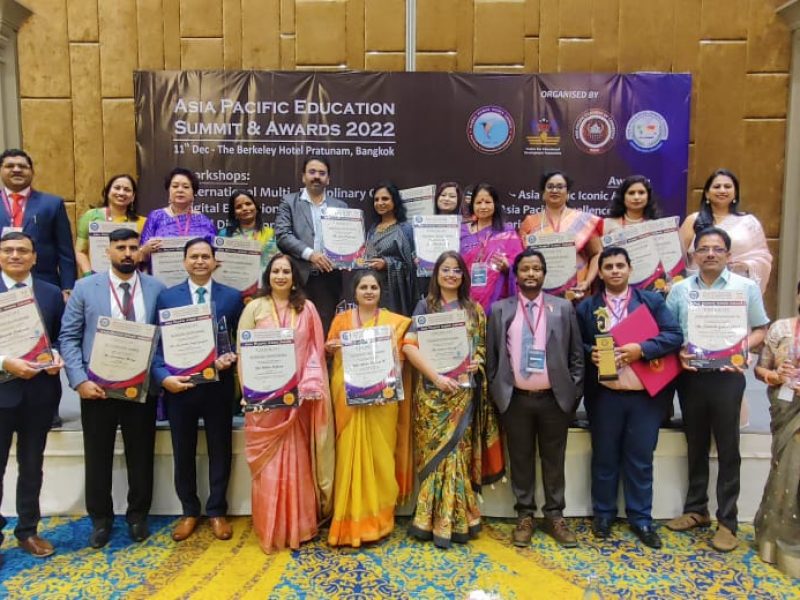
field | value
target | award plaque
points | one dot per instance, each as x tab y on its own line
607	365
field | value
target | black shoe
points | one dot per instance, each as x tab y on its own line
57	422
138	531
100	536
601	528
647	534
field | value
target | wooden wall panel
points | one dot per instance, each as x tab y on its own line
82	23
119	50
43	55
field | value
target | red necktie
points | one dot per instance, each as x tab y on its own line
19	210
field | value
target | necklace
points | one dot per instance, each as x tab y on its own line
627	219
384	226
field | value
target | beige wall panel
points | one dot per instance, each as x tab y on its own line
151	34
287	16
724	19
44	73
719	131
532	55
354	22
437	24
605	32
437	61
201	18
82	20
71	215
686	45
172	34
287	52
232	29
531	18
385	25
499	32
320	26
768	39
260	39
761	176
646	40
201	53
466	35
87	124
548	36
119	131
48	139
575	55
766	95
575	18
385	61
119	51
695	195
513	69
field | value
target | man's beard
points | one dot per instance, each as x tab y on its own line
124	267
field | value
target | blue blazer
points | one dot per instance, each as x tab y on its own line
51	305
668	340
47	223
90	300
227	302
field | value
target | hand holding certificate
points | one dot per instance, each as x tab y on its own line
268	369
371	366
433	235
121	356
444	343
717	329
167	260
22	332
343	237
188	337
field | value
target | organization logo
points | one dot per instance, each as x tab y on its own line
418	219
544	139
646	131
345	337
164	315
595	131
694	295
490	129
421	320
104	321
94	226
246	335
219	242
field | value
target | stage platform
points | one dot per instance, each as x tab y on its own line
63	491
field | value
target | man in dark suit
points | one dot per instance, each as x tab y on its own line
623	417
212	402
534	363
120	293
42	216
29	400
298	230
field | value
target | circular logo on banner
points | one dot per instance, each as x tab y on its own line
646	131
595	131
490	129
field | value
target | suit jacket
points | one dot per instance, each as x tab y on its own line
564	352
667	341
51	305
90	300
294	227
47	223
226	301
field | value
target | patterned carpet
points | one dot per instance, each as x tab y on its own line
397	567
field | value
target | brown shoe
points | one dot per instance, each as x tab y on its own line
184	528
36	546
523	532
220	528
559	530
724	540
688	521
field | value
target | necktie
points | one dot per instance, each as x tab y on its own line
19	201
201	295
128	310
19	284
527	337
617	309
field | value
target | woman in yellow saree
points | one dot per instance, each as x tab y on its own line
373	442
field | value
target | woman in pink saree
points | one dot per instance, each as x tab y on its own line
290	450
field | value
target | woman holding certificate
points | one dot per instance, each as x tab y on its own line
119	206
390	249
456	432
632	203
246	222
489	247
290	449
373	443
558	218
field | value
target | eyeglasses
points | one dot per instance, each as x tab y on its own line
555	187
714	250
452	271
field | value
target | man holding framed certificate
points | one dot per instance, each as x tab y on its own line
704	412
192	364
123	294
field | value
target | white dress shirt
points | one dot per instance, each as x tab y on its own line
138	297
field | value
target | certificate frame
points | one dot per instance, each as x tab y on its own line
167	261
419	200
717	329
239	262
559	253
666	236
445	344
647	272
343	238
189	342
372	372
268	369
23	334
99	242
433	235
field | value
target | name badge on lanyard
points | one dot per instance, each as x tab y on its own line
479	274
534	360
10	230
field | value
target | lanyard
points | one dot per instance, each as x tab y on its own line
618	316
125	311
281	321
359	325
550	221
539	313
187	222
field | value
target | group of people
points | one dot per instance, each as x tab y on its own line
533	357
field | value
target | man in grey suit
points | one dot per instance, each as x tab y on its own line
534	363
298	229
120	293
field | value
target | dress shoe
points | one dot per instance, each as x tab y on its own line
220	528
724	539
36	546
56	423
559	530
648	536
184	528
138	531
523	532
100	536
601	528
688	521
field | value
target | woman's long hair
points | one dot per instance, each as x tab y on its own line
130	210
399	208
705	217
459	197
297	296
233	222
434	298
497	216
651	210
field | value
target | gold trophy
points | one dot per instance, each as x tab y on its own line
607	363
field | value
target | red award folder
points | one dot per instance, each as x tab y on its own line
637	327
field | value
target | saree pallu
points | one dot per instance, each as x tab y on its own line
397	280
481	247
373	450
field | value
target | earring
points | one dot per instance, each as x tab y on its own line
294	287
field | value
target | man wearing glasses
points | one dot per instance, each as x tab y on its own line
711	399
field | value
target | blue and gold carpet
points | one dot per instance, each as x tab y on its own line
398	567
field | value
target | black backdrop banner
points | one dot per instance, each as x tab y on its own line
252	130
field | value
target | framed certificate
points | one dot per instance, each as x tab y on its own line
669	248
646	269
189	340
167	261
419	200
717	328
558	250
433	235
22	331
239	263
98	242
343	236
268	368
444	342
121	357
371	366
